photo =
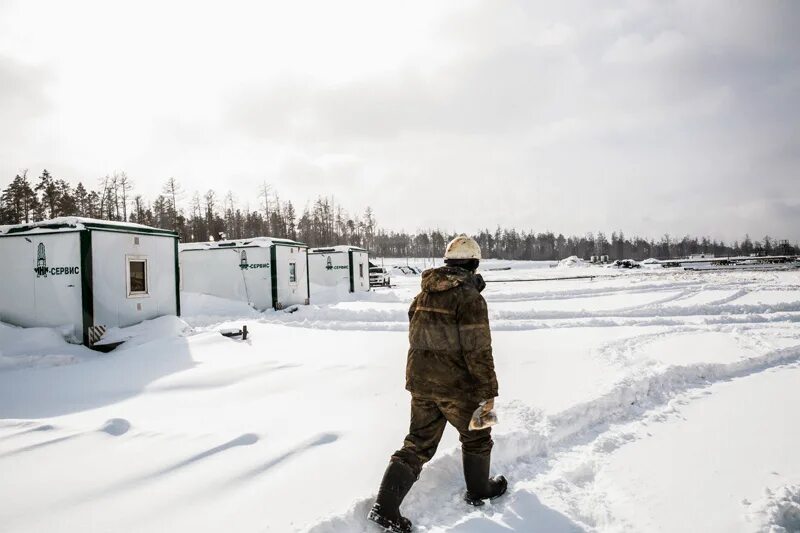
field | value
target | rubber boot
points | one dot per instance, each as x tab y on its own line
397	481
479	486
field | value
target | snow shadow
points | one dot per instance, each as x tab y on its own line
223	377
245	439
46	427
318	440
114	427
38	445
62	390
524	513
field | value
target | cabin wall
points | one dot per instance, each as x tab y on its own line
41	289
114	305
226	273
329	270
291	292
360	271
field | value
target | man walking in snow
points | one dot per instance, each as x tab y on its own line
450	374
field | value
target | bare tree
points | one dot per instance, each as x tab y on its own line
138	209
173	192
113	195
105	196
211	202
125	185
263	193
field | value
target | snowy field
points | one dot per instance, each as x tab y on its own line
642	400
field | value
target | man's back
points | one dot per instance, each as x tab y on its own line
450	347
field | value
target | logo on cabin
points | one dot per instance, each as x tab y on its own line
244	265
330	266
41	261
41	265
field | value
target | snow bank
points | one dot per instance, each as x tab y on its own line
42	347
572	261
778	511
21	347
203	309
402	270
327	294
160	328
651	263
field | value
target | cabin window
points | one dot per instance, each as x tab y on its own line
292	272
138	282
361	270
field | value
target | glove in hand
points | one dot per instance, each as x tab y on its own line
484	416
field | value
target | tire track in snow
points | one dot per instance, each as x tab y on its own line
434	503
588	293
651	313
624	351
570	476
735	296
559	323
651	310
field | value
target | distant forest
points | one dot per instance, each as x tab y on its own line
201	217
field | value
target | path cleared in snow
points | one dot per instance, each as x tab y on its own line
637	373
740	437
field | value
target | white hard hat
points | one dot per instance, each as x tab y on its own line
462	247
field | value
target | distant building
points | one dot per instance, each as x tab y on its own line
343	268
88	274
265	272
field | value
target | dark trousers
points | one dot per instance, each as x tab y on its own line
428	418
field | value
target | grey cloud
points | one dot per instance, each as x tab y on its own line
646	117
495	93
496	89
22	96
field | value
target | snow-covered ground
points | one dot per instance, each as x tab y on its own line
646	400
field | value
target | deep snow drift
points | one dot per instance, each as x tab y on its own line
634	401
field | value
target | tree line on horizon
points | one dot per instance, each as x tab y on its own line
210	216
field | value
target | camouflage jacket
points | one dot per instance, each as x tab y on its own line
450	353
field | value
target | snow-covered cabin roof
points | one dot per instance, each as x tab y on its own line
334	249
65	224
255	242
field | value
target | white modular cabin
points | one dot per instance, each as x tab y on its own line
87	274
339	269
265	272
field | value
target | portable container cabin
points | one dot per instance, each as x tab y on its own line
339	268
87	274
264	272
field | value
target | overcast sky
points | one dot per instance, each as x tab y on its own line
648	116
